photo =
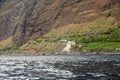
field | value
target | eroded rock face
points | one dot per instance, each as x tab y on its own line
14	14
29	19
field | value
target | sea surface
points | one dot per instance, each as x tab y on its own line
60	67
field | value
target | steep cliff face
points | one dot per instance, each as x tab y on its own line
13	16
29	19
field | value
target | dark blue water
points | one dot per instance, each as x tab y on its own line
78	67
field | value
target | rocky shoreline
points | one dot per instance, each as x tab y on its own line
59	53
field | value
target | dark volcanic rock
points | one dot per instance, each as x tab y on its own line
29	19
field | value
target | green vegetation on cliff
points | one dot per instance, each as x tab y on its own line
101	34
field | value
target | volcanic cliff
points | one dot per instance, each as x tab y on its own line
24	20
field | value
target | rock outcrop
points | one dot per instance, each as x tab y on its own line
29	19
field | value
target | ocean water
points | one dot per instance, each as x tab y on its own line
74	67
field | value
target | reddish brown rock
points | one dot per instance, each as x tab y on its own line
29	19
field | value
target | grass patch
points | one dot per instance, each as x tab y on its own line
96	46
6	45
112	35
40	47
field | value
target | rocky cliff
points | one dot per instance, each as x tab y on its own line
29	19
